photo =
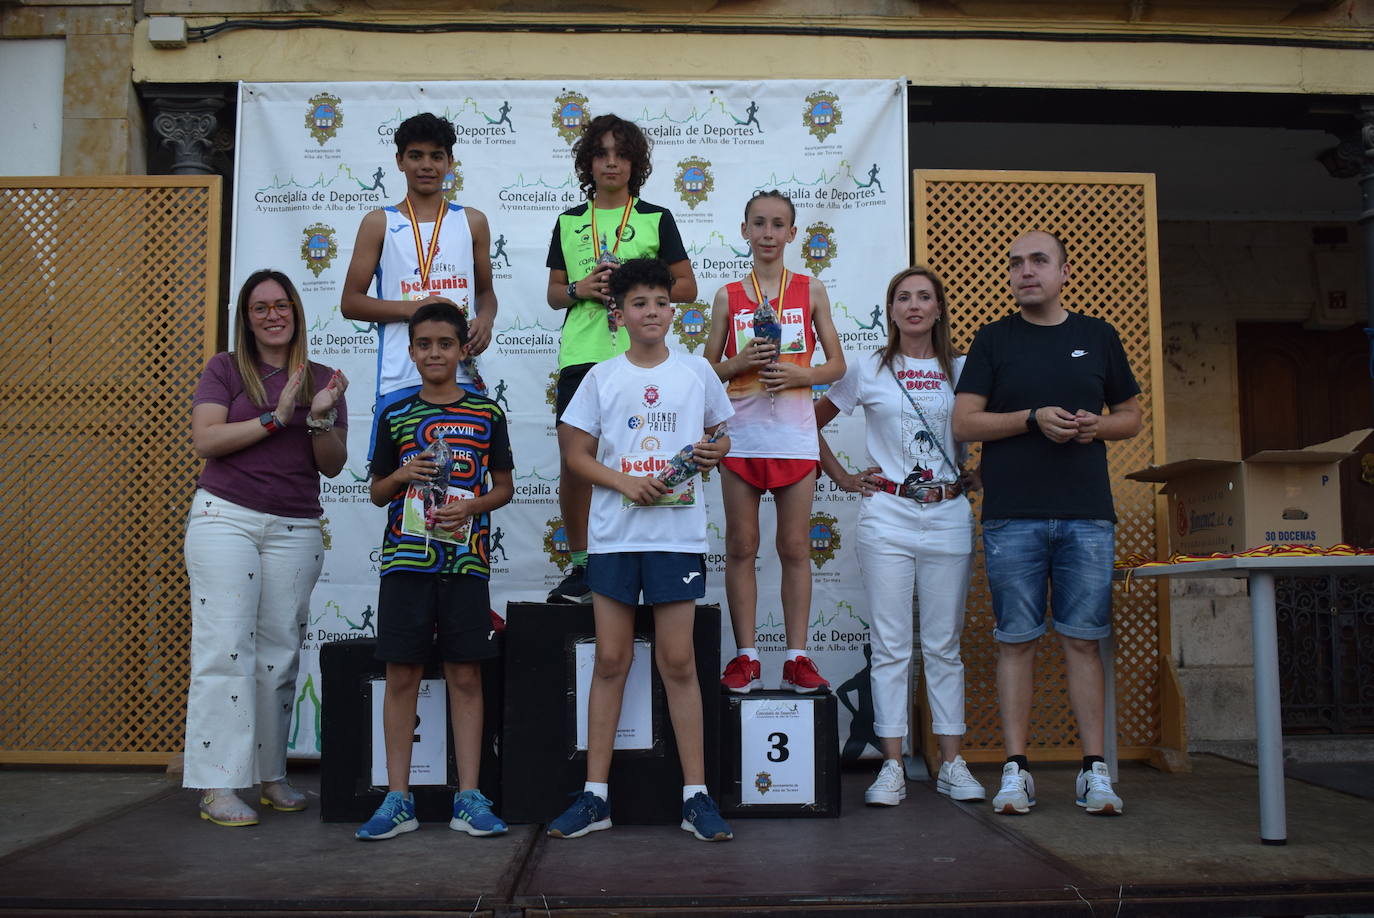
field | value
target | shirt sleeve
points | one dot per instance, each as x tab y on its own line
670	247
384	458
718	407
555	260
1119	383
844	394
499	455
215	385
976	376
961	447
584	411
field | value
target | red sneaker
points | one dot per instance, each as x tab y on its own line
742	675
800	675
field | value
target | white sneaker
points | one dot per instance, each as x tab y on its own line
1093	791
956	783
890	787
1017	795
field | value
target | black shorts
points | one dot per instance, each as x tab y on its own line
412	606
569	378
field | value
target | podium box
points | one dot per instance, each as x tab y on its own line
348	732
545	713
779	755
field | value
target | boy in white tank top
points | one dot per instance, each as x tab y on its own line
424	249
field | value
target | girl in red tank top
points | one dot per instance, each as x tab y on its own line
773	433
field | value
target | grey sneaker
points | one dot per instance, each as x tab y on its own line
890	787
1093	791
1017	794
956	783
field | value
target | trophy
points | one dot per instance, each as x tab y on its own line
434	492
682	466
766	328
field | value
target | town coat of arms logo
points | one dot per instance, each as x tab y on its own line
822	115
318	247
694	181
818	247
324	117
569	115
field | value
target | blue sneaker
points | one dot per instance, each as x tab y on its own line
395	816
588	813
702	818
472	814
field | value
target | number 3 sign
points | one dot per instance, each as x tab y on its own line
777	751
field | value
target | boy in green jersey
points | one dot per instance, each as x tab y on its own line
589	241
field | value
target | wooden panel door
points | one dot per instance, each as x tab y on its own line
1299	387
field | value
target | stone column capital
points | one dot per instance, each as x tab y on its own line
187	120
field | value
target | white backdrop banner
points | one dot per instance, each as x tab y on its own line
314	158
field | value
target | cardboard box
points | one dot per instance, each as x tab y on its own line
1275	497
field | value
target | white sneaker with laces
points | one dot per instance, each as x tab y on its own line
1093	791
956	783
1017	794
890	787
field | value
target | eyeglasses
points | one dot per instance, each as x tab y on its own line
260	310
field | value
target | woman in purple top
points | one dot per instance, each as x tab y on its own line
267	427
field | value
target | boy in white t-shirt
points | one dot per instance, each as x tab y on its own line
630	415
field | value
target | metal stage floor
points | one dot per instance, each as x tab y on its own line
1188	845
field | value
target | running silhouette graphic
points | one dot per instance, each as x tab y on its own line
500	250
873	178
365	624
753	112
494	541
377	182
504	112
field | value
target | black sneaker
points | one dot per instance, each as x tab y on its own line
574	587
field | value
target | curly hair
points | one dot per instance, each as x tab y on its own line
630	142
425	128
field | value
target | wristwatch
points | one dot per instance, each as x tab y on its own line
572	292
320	425
1032	425
269	420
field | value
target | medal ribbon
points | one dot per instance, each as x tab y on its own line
425	254
758	291
624	218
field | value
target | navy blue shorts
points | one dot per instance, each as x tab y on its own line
662	576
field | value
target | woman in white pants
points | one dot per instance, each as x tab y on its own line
268	422
915	527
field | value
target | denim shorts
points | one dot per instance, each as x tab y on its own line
1072	559
661	576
